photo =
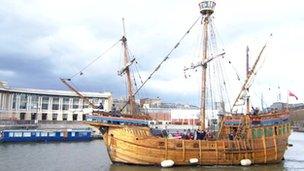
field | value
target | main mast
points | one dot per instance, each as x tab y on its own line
206	9
247	76
126	69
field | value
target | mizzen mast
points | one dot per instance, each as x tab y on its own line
250	76
206	9
126	69
247	76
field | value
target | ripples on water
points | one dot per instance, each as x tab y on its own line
92	155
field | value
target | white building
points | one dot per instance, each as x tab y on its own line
191	116
38	104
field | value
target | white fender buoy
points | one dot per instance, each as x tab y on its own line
246	162
167	163
193	160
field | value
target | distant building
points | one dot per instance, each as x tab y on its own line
180	113
122	105
162	114
39	104
278	106
281	105
150	103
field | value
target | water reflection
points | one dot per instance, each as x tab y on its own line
270	167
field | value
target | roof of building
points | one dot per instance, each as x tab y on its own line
56	92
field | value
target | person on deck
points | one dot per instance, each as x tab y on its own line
255	110
199	135
208	134
188	134
184	135
100	106
176	134
164	133
230	136
113	109
195	134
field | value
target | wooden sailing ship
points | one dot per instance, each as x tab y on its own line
260	138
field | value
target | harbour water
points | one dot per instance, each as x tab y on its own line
92	155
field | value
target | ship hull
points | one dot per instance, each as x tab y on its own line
135	145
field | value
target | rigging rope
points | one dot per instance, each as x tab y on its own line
222	68
136	68
166	58
225	87
93	61
218	72
222	42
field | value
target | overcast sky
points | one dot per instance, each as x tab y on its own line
41	41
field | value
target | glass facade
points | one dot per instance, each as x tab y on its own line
41	105
44	116
55	103
55	117
65	104
75	103
14	101
34	102
85	104
23	101
75	116
45	103
64	117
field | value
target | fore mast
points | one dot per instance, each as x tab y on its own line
126	70
206	9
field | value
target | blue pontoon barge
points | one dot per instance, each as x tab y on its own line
46	135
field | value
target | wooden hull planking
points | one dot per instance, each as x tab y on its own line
135	145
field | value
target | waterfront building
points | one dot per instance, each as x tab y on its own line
51	105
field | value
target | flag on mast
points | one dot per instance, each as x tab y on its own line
292	94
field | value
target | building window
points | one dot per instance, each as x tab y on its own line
11	134
84	117
44	116
82	134
45	103
65	117
52	134
33	116
14	101
75	117
34	104
37	134
27	134
95	101
75	103
23	101
55	103
22	116
65	104
55	115
43	134
85	104
18	134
